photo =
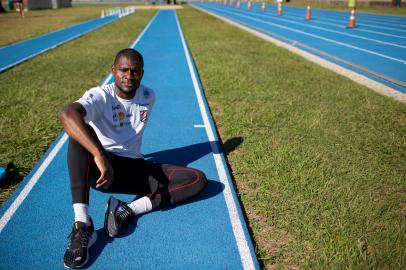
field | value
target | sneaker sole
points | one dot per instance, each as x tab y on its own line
110	225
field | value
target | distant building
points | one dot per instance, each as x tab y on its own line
39	4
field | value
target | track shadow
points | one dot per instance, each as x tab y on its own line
231	144
182	156
179	156
185	155
102	240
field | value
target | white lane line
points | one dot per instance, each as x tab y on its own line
361	79
199	126
245	254
34	179
332	31
312	35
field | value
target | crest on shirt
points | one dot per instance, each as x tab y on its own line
143	115
121	116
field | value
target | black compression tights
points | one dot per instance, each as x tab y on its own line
164	184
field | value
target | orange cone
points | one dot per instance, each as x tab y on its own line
279	9
263	8
249	6
351	22
308	13
238	4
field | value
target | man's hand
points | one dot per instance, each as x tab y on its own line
106	172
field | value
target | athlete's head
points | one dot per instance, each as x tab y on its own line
128	69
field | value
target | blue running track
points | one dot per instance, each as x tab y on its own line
21	51
376	48
206	233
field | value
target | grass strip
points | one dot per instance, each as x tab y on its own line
319	161
13	28
33	93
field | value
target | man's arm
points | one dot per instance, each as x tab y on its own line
72	120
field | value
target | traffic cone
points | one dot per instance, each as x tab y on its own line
279	9
249	5
263	8
238	4
351	22
308	13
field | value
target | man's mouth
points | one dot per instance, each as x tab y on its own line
128	84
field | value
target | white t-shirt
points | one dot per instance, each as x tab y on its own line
119	123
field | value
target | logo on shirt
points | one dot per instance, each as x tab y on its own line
143	115
116	107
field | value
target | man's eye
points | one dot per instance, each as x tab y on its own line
133	71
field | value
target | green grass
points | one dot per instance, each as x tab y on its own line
322	164
32	94
387	10
13	28
321	168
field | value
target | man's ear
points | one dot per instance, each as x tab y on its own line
113	68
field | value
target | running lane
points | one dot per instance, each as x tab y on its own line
376	48
207	232
16	53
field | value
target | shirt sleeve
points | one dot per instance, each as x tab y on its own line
94	103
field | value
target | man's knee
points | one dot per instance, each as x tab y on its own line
189	182
199	182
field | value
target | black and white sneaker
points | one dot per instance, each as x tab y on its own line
81	239
117	215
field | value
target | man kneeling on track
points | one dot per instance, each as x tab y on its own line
105	128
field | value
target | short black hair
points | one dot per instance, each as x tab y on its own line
130	54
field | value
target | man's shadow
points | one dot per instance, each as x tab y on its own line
178	156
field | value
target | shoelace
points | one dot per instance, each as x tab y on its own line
84	237
124	215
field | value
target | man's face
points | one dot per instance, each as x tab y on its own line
127	76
